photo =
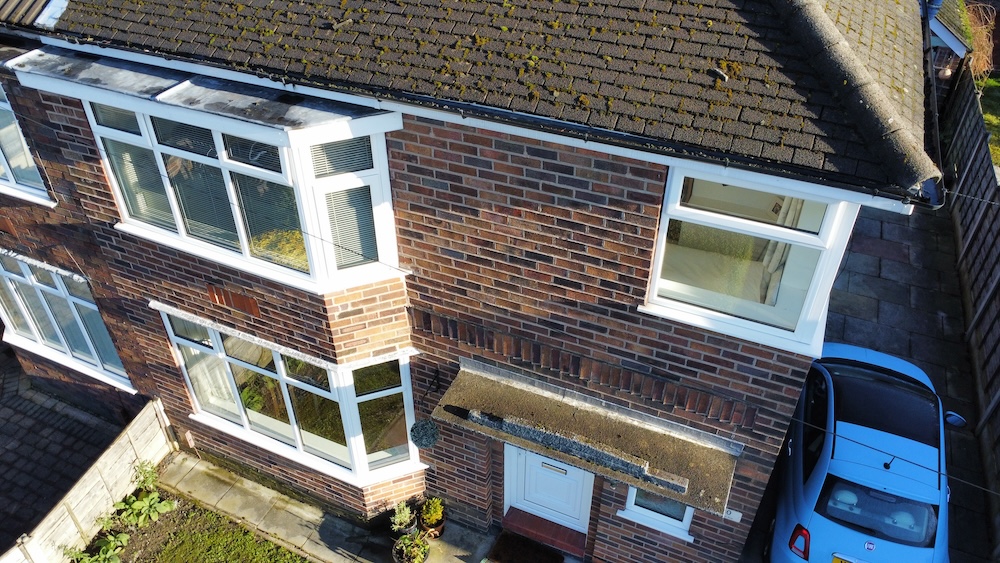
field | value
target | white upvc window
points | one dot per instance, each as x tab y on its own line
312	213
748	259
52	313
19	175
351	422
659	513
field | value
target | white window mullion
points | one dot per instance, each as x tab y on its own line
352	423
175	208
227	363
283	381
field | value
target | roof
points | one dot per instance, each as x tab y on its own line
777	86
954	17
21	12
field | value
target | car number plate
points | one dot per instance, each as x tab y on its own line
837	559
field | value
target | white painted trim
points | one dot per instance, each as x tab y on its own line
29	194
114	380
451	117
677	528
948	38
316	463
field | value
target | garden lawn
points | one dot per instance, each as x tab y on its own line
990	101
192	534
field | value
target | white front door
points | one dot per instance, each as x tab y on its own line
547	488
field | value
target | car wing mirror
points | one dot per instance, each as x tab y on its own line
955	419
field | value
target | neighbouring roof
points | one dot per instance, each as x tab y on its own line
617	445
21	12
829	92
952	23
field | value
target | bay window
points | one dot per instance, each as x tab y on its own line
748	259
351	421
281	184
19	176
52	313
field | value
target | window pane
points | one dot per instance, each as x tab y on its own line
139	178
78	289
763	207
42	276
37	312
271	216
376	378
340	157
190	331
14	150
322	428
254	153
11	265
353	227
210	384
383	422
185	137
248	352
264	403
69	327
661	505
205	205
14	314
115	118
746	276
306	372
100	338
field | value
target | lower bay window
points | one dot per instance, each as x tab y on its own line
747	259
356	418
659	513
52	313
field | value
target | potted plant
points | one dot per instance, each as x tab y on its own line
411	548
402	521
432	516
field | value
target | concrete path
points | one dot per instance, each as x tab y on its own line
304	528
45	446
898	292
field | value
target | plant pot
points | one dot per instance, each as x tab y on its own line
396	534
399	551
433	531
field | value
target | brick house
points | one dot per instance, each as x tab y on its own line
586	248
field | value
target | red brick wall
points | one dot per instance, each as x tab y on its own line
536	255
66	237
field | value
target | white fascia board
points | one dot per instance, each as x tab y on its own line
451	117
948	38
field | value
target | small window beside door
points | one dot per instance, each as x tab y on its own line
660	513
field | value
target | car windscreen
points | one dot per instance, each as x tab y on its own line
879	401
878	513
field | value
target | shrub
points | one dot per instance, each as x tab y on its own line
432	512
402	517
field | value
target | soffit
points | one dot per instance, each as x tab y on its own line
597	439
712	80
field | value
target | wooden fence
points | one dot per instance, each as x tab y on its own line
975	207
73	522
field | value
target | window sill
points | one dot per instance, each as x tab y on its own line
353	277
333	470
656	524
807	340
119	382
31	195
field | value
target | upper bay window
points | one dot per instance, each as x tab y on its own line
749	260
52	313
19	176
288	186
351	421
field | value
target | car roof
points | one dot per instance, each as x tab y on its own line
832	350
874	398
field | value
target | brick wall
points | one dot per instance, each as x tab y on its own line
64	237
535	255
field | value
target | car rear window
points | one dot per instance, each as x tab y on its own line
878	513
884	402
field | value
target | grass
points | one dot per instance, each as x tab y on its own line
192	534
990	101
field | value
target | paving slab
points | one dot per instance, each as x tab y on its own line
248	500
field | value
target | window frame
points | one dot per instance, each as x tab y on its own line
831	242
660	522
342	391
37	344
11	186
297	173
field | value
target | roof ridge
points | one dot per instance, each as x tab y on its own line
876	117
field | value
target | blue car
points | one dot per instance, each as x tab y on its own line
864	479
